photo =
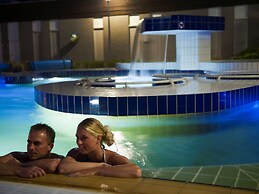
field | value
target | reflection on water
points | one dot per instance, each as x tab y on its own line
229	137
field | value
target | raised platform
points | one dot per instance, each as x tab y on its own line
198	95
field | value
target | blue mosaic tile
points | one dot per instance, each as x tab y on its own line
132	105
247	95
222	101
103	105
55	102
215	101
152	105
142	105
46	101
233	98
207	102
122	106
228	100
64	104
78	105
94	105
238	97
184	22
112	101
199	103
181	104
172	104
71	104
191	103
59	106
44	98
162	105
253	93
86	105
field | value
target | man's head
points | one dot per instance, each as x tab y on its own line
40	141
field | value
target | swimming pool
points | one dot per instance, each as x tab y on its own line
229	137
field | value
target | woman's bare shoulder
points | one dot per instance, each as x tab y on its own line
114	158
73	152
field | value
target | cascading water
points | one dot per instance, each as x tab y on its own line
135	49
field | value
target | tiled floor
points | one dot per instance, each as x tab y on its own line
99	185
233	176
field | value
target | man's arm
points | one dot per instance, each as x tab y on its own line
11	166
48	165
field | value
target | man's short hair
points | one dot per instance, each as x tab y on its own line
49	131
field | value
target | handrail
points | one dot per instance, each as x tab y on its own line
90	83
233	76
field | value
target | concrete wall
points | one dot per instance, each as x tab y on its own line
26	42
222	46
81	50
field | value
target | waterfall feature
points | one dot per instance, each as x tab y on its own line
135	48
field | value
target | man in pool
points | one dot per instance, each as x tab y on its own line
38	160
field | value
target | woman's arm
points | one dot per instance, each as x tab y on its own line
70	165
124	170
119	166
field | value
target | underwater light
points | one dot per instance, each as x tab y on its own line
94	102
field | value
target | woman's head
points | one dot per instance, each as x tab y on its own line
98	130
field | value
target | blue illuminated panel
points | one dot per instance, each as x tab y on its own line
172	105
103	108
112	101
162	105
78	104
147	105
191	103
142	105
132	105
122	106
152	105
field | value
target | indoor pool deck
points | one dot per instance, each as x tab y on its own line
60	184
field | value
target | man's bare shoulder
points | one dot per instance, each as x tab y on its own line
16	156
20	156
54	155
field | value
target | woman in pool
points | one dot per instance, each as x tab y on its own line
91	158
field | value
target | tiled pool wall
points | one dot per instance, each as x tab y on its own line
184	22
148	105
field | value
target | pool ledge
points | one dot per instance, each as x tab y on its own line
123	185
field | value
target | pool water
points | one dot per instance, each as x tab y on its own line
229	137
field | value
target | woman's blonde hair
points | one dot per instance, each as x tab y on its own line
96	128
